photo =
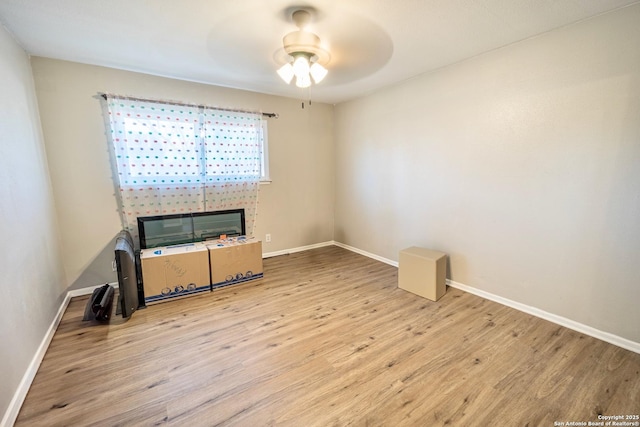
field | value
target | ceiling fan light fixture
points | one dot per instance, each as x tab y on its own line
318	72
304	53
303	81
286	72
301	66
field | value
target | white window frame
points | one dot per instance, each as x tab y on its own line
265	177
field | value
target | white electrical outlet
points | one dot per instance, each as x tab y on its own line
267	238
114	267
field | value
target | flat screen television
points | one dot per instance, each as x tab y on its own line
167	230
127	275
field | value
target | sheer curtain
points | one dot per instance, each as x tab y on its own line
175	159
232	162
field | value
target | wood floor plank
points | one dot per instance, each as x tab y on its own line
326	338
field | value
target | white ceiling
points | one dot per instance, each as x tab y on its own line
238	43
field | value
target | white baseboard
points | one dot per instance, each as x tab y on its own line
88	291
298	249
554	318
367	254
13	410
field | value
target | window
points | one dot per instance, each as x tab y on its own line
174	159
193	146
157	151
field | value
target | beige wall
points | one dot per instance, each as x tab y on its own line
296	208
522	164
32	280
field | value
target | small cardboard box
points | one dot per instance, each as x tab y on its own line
235	260
174	271
423	272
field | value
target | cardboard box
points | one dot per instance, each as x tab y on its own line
235	260
174	271
423	272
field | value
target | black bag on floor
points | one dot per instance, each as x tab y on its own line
100	303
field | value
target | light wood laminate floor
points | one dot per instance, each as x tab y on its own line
327	338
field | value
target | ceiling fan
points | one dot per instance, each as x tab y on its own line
305	56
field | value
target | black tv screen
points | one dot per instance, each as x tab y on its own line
127	276
167	230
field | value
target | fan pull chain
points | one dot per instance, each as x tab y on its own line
308	96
